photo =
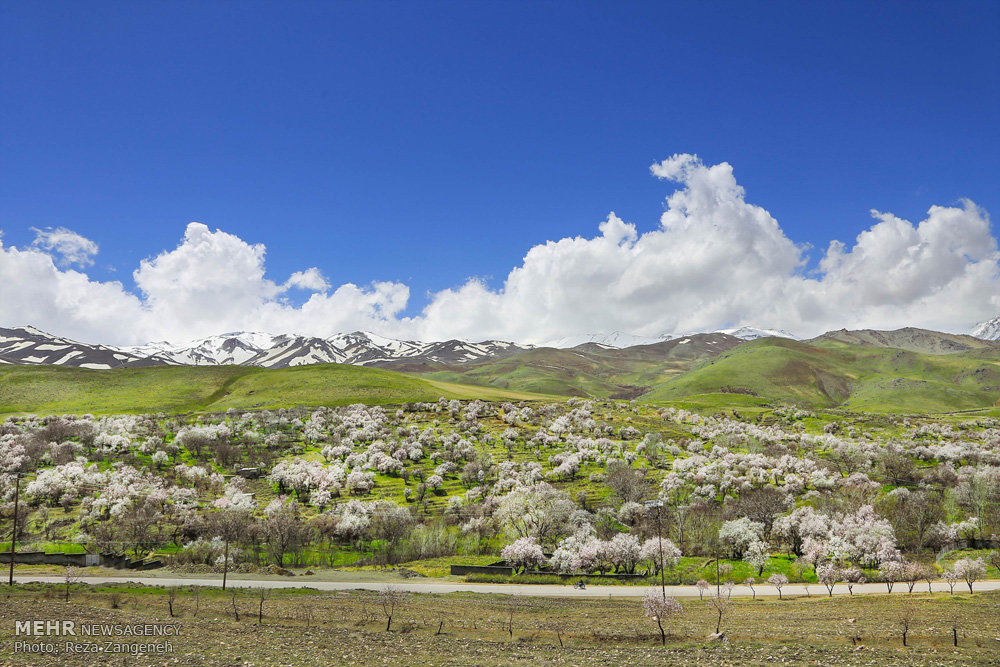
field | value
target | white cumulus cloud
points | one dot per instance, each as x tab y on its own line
715	260
310	279
69	247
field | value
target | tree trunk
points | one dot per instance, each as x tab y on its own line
225	566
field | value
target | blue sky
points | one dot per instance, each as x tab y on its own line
427	142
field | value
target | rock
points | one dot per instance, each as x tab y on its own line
408	573
718	637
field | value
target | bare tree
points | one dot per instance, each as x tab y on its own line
306	612
171	598
283	530
70	577
512	605
906	618
139	527
721	604
558	626
229	524
626	482
236	610
390	598
262	595
913	573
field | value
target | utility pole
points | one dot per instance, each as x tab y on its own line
13	535
658	504
718	572
225	564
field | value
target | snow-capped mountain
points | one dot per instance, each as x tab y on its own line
224	349
27	345
621	339
753	333
615	339
362	348
989	330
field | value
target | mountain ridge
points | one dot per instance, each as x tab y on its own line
30	345
988	330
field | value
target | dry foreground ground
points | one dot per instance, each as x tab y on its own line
302	627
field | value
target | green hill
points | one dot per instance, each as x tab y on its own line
912	339
909	370
55	389
586	370
827	372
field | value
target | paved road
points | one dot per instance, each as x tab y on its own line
540	590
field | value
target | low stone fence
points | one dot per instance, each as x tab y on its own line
507	571
462	570
79	560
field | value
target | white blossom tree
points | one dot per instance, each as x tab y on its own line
661	609
523	553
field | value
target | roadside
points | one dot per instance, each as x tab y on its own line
532	590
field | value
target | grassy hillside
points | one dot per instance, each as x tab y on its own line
586	370
912	339
54	389
830	373
852	370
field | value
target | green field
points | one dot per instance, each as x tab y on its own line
834	374
54	389
303	627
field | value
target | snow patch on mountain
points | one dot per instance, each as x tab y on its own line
988	330
621	339
26	345
615	339
753	333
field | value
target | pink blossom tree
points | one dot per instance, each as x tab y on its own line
660	609
523	553
890	572
829	575
778	581
970	570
